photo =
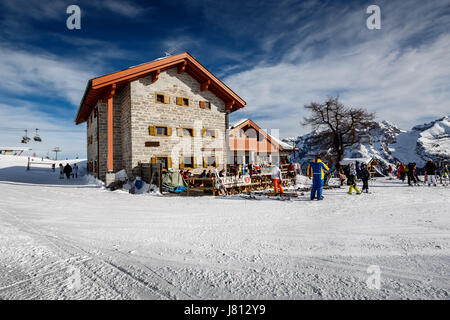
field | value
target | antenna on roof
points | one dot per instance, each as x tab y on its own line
171	51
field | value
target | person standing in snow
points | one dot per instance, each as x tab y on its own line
445	175
276	178
411	173
352	181
430	170
365	176
316	170
402	172
75	170
61	171
358	169
389	172
68	171
342	176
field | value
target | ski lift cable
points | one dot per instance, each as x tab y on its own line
42	130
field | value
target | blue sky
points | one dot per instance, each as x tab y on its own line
277	55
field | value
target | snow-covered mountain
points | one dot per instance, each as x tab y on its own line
389	144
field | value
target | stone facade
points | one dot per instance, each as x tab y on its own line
136	109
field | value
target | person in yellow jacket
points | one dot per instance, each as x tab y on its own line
316	171
352	180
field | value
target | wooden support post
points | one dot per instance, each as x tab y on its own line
160	176
110	165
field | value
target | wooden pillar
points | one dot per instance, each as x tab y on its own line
110	165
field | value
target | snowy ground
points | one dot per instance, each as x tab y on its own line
148	247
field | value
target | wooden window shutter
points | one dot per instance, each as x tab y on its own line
205	162
169	162
166	99
169	131
216	162
203	132
194	165
181	163
180	132
216	133
193	132
154	160
179	101
202	104
152	130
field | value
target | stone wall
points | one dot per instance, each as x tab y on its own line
146	112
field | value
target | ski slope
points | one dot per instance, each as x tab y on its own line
76	240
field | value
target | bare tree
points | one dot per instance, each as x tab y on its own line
336	126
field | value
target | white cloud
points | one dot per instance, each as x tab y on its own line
387	71
44	75
54	131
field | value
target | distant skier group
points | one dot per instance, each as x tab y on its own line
68	171
431	173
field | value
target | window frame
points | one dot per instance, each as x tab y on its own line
204	103
153	131
193	164
206	162
211	137
154	160
182	134
180	102
166	98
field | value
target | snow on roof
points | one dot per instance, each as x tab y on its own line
284	145
234	125
15	148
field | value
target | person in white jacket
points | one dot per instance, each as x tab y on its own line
276	178
75	170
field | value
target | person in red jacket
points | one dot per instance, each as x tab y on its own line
402	172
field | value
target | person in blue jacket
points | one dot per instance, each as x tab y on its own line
316	170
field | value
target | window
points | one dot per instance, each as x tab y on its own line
210	133
161	98
205	105
187	163
186	132
210	161
95	113
182	101
166	162
161	131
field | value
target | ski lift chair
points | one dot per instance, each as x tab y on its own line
25	138
37	138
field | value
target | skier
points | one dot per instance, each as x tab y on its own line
276	178
402	172
365	176
389	172
61	171
445	175
430	170
75	170
316	171
411	173
342	176
352	181
68	171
